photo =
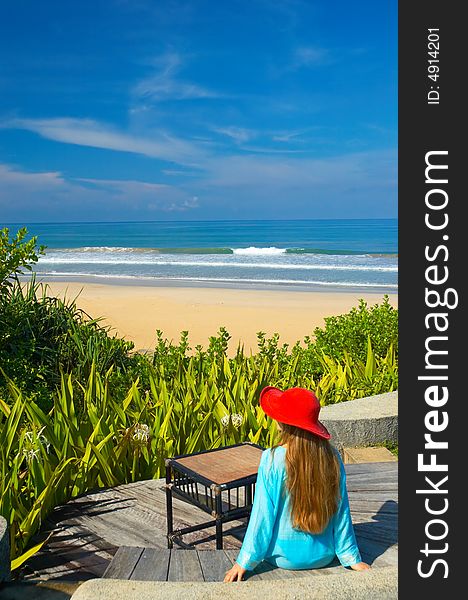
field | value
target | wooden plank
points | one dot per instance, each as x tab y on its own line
123	563
374	467
360	503
125	529
184	566
371	532
153	565
298	573
381	475
388	508
231	555
265	572
380	554
383	478
370	486
376	530
381	496
376	516
214	564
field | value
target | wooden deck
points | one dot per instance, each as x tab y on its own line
88	531
154	564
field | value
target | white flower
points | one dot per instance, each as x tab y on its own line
237	420
34	441
45	442
31	454
141	433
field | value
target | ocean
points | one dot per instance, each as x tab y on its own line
301	254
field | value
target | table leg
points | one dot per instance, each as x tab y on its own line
248	495
219	534
219	521
170	520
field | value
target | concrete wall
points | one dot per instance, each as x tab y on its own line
363	422
374	584
4	551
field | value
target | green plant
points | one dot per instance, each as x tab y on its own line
41	336
392	447
351	378
46	458
16	255
350	332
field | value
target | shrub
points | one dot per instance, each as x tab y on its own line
350	332
42	336
16	255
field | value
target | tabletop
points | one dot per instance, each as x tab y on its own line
223	465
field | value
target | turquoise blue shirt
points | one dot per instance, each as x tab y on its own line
270	535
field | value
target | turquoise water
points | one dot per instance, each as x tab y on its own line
305	253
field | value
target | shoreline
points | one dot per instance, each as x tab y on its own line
135	312
153	282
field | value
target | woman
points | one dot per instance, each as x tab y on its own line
300	515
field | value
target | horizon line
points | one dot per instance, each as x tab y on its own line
199	221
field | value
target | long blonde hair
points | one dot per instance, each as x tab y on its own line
312	478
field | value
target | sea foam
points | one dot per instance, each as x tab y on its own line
254	251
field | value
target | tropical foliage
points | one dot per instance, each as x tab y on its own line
79	410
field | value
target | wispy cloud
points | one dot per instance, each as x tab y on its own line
309	56
11	176
294	135
269	150
303	57
357	169
49	194
153	196
123	186
238	134
165	84
87	132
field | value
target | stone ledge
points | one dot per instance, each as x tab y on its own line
363	422
375	584
4	551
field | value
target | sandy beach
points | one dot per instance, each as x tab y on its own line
136	312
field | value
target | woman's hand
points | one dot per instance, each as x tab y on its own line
360	566
235	573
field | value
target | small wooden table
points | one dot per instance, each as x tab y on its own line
220	482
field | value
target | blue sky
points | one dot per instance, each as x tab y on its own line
193	110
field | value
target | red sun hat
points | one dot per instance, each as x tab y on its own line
296	406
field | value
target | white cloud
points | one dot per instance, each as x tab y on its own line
274	186
87	132
303	57
124	185
238	134
46	195
164	84
11	177
287	136
287	173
